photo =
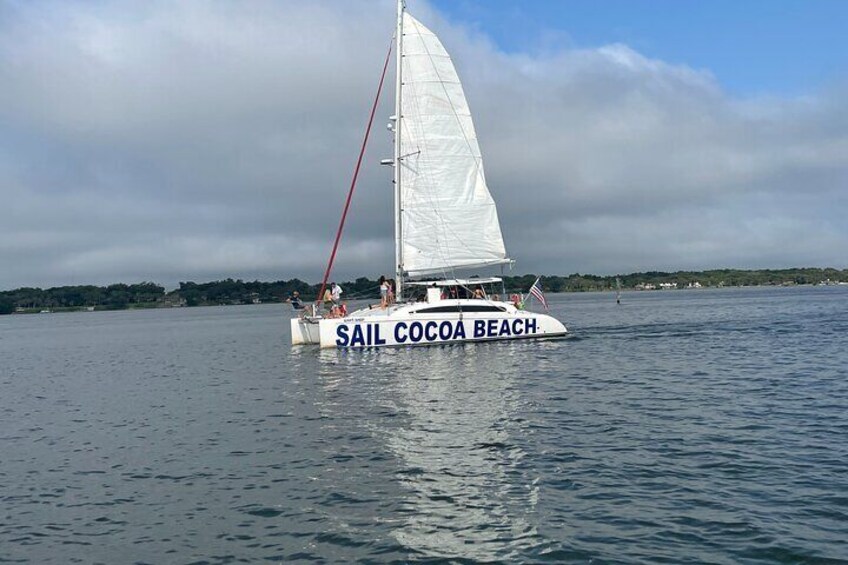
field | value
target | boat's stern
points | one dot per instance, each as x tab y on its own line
305	331
550	326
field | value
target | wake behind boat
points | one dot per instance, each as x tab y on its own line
445	219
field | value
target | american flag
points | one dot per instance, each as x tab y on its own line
536	290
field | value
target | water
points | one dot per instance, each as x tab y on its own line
688	426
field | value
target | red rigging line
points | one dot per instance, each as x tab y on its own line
353	181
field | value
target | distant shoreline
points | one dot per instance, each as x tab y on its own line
121	296
156	305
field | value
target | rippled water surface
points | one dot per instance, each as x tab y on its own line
687	426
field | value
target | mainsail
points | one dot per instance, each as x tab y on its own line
449	220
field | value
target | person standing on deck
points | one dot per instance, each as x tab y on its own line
384	292
336	294
390	295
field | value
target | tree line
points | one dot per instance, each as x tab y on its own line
113	297
687	279
149	294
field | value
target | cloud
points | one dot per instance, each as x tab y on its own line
195	140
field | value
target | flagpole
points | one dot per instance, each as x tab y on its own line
524	296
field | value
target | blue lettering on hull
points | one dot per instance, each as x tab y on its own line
401	334
459	331
432	331
342	337
362	335
489	329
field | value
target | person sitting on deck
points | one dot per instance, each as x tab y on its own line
479	293
339	311
295	301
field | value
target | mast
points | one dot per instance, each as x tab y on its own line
397	172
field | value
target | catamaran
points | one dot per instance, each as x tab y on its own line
446	221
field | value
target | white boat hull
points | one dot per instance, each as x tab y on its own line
402	328
305	332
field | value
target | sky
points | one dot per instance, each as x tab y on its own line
768	47
194	140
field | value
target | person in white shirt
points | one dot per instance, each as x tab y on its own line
336	292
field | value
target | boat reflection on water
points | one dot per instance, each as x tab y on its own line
465	488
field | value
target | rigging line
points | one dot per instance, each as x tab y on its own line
355	176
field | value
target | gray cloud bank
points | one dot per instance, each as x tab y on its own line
197	140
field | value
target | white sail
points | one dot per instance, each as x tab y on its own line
449	219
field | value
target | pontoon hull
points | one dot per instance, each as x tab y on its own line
305	332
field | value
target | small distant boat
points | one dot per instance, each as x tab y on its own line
445	220
46	312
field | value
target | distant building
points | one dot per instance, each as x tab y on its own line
172	301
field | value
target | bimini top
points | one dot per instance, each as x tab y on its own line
456	282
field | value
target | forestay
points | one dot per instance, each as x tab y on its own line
449	218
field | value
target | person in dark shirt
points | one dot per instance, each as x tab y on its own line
295	300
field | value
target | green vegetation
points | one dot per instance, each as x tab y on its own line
684	279
7	306
229	291
112	297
